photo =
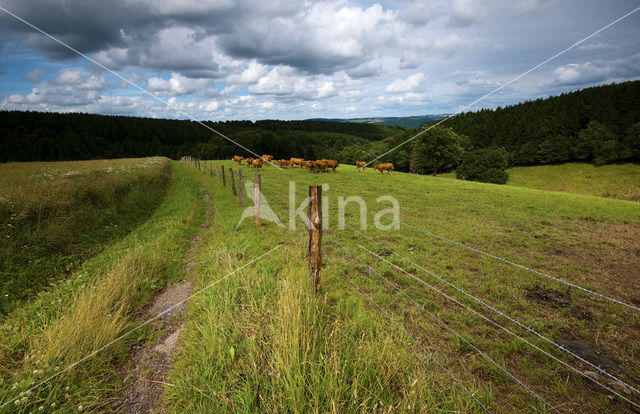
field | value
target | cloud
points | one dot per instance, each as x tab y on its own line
34	76
251	74
419	13
464	13
77	78
406	85
452	44
597	71
592	47
523	7
71	88
176	85
366	70
286	83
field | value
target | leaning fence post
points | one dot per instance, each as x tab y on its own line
240	189
224	180
315	234
233	182
256	199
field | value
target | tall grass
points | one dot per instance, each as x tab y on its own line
97	304
261	341
54	218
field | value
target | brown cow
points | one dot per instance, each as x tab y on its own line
296	161
267	158
333	164
257	163
361	165
385	166
321	165
249	161
238	158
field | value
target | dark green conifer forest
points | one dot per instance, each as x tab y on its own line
598	125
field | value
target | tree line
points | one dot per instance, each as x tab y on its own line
45	136
598	125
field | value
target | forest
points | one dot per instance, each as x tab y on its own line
40	136
598	125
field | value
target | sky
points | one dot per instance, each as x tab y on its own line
279	59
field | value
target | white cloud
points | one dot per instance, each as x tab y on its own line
176	85
251	74
597	71
419	13
286	83
406	85
452	44
466	12
77	78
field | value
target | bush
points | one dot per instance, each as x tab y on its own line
485	165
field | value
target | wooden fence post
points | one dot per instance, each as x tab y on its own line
224	180
240	189
233	182
315	234
217	175
256	199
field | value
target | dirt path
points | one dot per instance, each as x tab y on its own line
150	364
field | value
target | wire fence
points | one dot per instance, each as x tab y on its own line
614	384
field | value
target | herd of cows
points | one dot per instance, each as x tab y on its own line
312	166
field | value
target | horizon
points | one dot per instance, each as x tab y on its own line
335	60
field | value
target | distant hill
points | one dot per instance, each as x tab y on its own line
599	125
402	121
43	136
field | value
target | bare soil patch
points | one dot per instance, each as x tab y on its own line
548	297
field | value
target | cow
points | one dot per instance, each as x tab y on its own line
238	158
257	163
296	161
333	164
361	165
267	158
249	161
385	166
319	165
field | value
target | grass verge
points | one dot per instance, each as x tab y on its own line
95	305
54	216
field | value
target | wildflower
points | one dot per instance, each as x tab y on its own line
80	408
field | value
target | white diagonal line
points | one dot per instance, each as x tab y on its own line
180	111
138	327
506	84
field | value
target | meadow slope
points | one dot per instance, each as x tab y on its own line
383	335
262	342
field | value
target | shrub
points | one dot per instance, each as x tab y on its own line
485	165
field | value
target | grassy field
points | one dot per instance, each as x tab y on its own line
261	342
56	215
375	339
94	305
621	181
